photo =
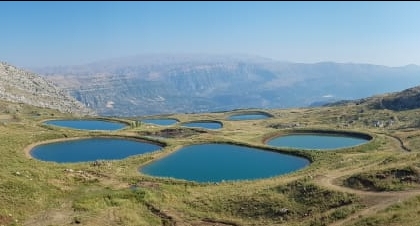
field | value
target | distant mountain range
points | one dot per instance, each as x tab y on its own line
160	84
21	86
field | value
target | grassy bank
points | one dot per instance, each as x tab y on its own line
372	184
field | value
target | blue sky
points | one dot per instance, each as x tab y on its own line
67	33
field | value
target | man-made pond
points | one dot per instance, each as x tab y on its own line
160	122
223	162
316	141
91	149
87	124
249	116
204	124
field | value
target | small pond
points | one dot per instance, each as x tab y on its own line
87	124
223	162
160	122
204	124
91	149
248	116
316	141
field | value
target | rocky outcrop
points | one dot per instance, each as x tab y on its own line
397	101
404	100
20	86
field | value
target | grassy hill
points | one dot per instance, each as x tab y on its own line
373	184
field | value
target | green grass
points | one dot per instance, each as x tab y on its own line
402	213
115	193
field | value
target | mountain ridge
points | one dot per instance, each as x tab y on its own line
407	99
162	84
21	86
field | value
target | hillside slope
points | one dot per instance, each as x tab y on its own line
407	99
20	86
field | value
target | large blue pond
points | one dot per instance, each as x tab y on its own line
91	149
203	124
160	122
87	124
223	162
249	116
316	141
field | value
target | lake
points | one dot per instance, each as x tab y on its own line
316	141
87	124
204	124
91	149
160	122
223	162
250	116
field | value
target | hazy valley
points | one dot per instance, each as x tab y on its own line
377	183
161	84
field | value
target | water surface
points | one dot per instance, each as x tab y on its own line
204	124
91	149
160	122
219	162
87	124
316	141
253	116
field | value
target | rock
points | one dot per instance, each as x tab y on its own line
284	211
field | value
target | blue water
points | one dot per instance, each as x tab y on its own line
87	124
161	122
91	149
316	141
205	125
218	162
248	116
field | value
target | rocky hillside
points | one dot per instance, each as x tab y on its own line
398	101
159	84
20	86
404	100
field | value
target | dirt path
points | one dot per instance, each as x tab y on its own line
400	142
375	201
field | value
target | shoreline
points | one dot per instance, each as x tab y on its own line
354	134
28	149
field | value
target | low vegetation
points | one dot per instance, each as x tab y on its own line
386	180
373	184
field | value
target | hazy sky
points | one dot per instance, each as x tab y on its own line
65	33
